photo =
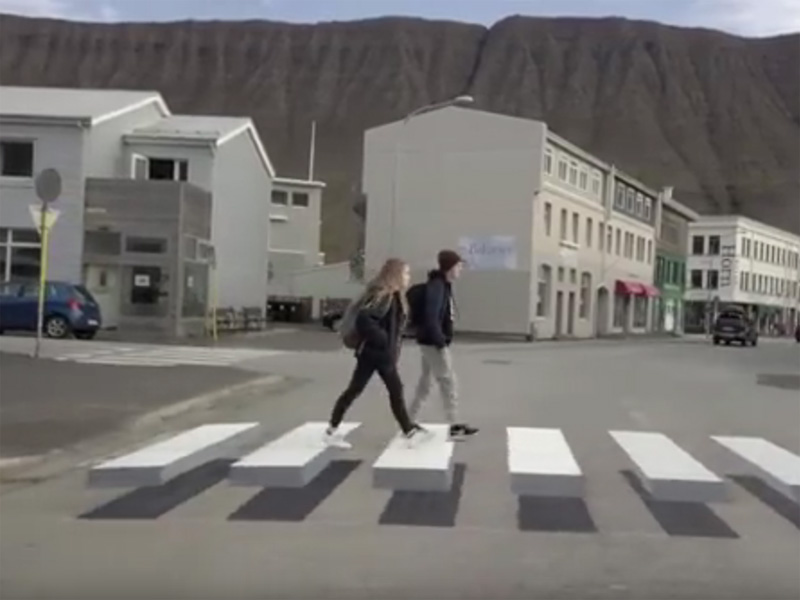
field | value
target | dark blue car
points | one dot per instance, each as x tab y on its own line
69	309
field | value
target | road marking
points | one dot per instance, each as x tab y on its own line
427	466
541	463
292	460
778	467
162	461
667	471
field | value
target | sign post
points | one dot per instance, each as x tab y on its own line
48	188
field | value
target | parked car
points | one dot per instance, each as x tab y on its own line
735	325
69	309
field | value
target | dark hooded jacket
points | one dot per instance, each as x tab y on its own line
435	327
380	327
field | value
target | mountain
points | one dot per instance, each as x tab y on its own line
715	115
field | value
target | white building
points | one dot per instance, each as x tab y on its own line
101	135
737	260
559	243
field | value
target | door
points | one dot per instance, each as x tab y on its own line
571	314
602	311
669	316
102	281
559	313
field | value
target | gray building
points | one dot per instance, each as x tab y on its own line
119	136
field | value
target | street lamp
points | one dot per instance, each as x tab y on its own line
463	100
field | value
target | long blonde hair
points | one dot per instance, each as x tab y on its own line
388	281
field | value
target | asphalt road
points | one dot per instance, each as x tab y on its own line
198	537
46	405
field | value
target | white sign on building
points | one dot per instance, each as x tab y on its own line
493	252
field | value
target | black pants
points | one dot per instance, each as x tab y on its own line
363	372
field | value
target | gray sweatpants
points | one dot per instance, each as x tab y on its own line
436	364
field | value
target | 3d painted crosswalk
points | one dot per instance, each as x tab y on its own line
540	462
163	356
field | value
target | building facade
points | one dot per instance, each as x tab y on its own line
737	260
124	135
670	267
557	242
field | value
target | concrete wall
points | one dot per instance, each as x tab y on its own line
460	174
240	223
61	148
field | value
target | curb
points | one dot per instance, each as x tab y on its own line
203	401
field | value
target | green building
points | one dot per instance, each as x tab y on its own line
670	265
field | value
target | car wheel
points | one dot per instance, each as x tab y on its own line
56	327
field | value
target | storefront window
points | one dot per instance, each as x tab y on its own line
640	311
620	308
19	254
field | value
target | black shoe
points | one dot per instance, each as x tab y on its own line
459	432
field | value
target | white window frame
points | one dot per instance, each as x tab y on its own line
10	244
583	179
20	140
547	165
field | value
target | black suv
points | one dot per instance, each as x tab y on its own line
735	325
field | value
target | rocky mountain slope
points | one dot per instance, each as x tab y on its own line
715	115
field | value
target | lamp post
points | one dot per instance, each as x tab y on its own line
463	100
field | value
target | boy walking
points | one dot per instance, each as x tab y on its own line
434	324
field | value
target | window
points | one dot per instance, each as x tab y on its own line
619	241
575	225
596	184
619	200
543	302
106	243
300	199
19	254
648	209
583	180
639	204
573	276
744	281
561	274
142	245
649	252
573	173
640	311
620	310
584	307
713	245
563	224
548	161
589	232
280	197
698	244
609	238
562	169
600	236
746	247
713	279
16	159
696	281
631	196
167	168
548	218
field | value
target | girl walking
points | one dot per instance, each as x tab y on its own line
382	312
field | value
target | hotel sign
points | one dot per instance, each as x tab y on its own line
727	265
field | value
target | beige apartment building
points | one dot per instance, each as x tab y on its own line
557	242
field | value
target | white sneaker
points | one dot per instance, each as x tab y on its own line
417	436
336	440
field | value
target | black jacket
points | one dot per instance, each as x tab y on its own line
380	327
435	328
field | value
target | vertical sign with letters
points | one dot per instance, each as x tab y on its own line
727	268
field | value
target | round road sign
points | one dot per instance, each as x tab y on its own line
48	185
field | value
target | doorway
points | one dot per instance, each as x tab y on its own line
602	311
571	314
559	314
102	281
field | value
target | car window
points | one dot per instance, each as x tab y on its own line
31	290
9	289
731	315
83	294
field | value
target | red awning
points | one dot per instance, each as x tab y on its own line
629	288
650	290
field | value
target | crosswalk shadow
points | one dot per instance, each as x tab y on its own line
563	515
427	509
295	504
681	519
154	501
779	503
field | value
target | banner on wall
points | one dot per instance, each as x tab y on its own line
489	253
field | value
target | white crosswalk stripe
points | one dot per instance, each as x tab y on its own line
540	463
163	356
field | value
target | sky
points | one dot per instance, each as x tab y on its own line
751	18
